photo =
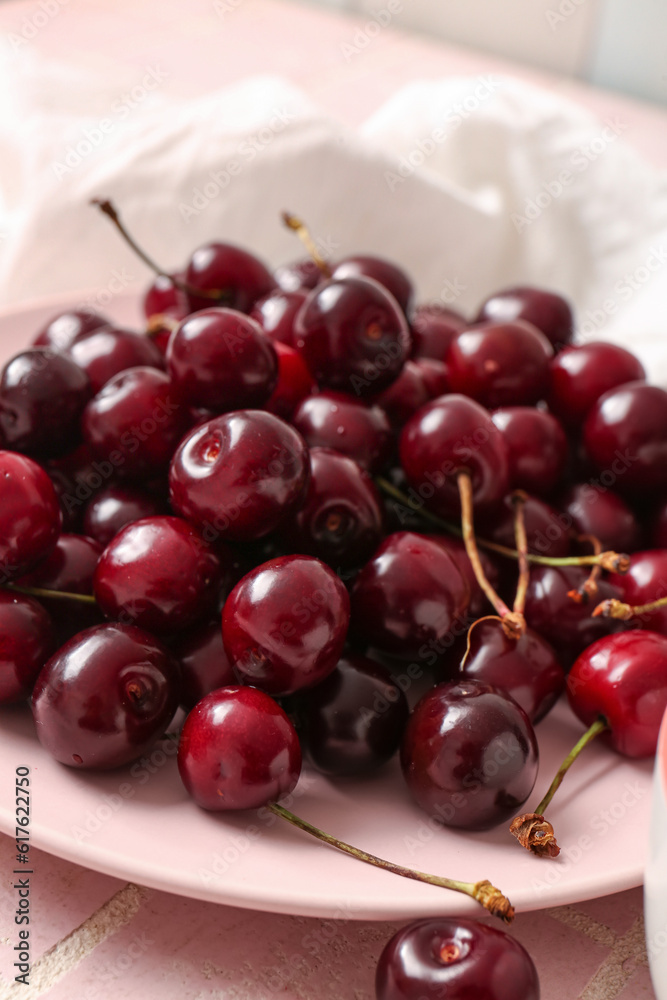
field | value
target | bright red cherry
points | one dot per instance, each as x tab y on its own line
103	699
433	328
237	277
580	375
596	510
537	448
389	275
549	312
26	642
645	582
339	421
204	663
30	518
163	298
64	328
294	383
115	506
238	750
104	352
284	624
276	314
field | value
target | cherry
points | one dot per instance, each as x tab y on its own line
404	396
284	624
42	396
26	642
645	581
104	352
221	360
526	668
434	375
500	364
115	506
410	597
352	335
160	573
342	518
625	434
580	375
30	519
238	750
455	958
658	535
353	721
457	550
204	663
102	699
240	475
433	329
388	274
76	479
596	510
64	328
276	314
469	755
235	277
163	298
302	275
135	422
545	532
337	420
537	448
294	382
548	311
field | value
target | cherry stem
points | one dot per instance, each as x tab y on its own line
514	624
613	608
483	892
43	592
519	499
613	562
301	229
589	587
531	829
158	322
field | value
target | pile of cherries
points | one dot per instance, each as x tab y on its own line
286	452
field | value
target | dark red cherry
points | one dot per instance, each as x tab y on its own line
645	582
549	312
434	374
526	668
342	518
433	328
581	374
596	510
26	642
658	535
204	663
221	360
294	383
546	529
353	721
469	755
337	420
284	624
135	422
238	750
115	506
301	275
625	435
239	278
163	298
103	699
457	550
276	313
64	328
104	352
240	475
537	448
389	275
404	396
42	396
449	435
30	517
457	959
623	678
409	597
500	364
159	574
352	335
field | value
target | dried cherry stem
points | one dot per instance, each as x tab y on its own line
589	587
613	608
483	892
159	322
513	622
43	592
301	229
612	562
519	499
532	830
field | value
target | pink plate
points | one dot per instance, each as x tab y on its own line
138	824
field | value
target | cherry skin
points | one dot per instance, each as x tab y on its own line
30	518
221	360
385	272
64	328
537	448
294	383
26	642
240	475
469	755
404	396
342	518
434	374
284	624
160	573
526	668
104	352
598	511
448	435
433	329
42	396
238	277
623	678
409	597
301	275
105	696
337	420
580	375
163	298
353	721
549	312
545	532
456	958
626	434
204	663
238	750
115	506
645	582
276	314
352	335
500	364
457	550
658	534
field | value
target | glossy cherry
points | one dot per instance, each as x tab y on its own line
26	642
104	352
386	272
338	420
284	624
469	755
546	530
276	313
163	298
295	383
645	582
596	510
457	550
105	696
204	663
237	277
581	374
537	448
30	518
300	275
549	312
238	750
64	328
433	327
459	959
115	506
404	396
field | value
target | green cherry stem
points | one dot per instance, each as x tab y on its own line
43	592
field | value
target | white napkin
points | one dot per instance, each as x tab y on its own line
472	184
